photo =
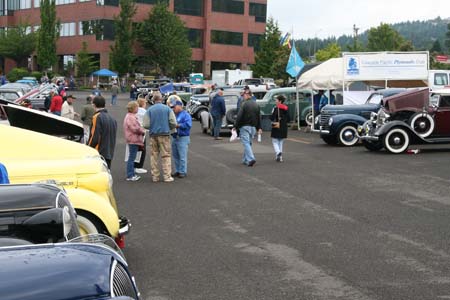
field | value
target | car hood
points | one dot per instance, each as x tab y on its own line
55	271
43	122
344	109
18	143
19	196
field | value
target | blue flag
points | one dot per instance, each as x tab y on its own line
167	88
295	63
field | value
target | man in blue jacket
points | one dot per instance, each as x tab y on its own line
218	111
4	179
180	139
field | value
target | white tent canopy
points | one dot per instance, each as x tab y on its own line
328	75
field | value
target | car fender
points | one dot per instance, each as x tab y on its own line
204	119
344	119
389	125
305	112
91	202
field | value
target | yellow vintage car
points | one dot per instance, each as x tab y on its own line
31	156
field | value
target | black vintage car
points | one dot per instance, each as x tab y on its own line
35	213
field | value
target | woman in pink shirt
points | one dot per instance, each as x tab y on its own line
134	136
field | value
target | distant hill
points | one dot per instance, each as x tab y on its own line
422	34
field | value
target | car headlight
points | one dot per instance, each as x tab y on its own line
373	116
67	221
330	121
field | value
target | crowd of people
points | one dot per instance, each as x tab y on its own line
167	126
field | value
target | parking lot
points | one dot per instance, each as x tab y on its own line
328	223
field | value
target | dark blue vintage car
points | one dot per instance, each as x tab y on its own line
65	271
339	123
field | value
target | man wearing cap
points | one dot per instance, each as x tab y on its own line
218	110
180	139
67	109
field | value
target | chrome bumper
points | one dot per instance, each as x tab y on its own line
369	138
323	131
124	225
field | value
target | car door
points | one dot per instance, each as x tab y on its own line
442	116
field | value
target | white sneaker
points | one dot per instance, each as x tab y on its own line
134	178
140	171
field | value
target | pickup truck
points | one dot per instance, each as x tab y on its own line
255	84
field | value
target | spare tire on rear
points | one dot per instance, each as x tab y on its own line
232	115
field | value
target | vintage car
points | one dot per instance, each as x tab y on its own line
36	213
197	104
231	100
31	156
71	270
267	103
338	123
414	117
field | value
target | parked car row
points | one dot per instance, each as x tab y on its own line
59	220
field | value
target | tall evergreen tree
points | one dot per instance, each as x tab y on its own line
447	39
164	37
436	48
48	35
384	38
85	62
122	52
271	58
18	44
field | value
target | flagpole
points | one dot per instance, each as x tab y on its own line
296	86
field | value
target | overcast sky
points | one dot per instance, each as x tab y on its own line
324	18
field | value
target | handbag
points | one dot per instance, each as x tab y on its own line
277	124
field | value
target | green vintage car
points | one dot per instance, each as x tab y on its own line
267	103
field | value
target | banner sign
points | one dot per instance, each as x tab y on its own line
385	66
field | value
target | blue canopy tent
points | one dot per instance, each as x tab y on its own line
103	73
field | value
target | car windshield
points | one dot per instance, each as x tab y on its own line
252	81
374	99
231	99
11	96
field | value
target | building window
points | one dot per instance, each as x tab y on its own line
67	29
189	7
61	2
226	37
102	29
222	65
153	1
13	5
25	4
108	2
84	0
195	37
228	6
37	3
254	40
259	11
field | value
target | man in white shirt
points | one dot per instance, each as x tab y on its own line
67	109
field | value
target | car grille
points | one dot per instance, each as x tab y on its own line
323	121
122	283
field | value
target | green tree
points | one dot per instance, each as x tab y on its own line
122	53
331	51
271	58
436	48
164	37
48	35
85	62
17	43
384	38
447	38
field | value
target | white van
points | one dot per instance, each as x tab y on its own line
438	79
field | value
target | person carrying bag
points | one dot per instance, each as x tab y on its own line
280	120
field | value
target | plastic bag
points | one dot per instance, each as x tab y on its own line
234	135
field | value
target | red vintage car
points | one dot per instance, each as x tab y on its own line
414	117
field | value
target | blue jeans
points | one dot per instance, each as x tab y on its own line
217	123
133	149
180	153
113	99
277	145
247	133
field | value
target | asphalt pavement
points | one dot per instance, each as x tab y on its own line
328	223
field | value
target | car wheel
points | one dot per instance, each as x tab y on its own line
309	118
422	124
330	140
348	136
372	146
232	115
88	224
396	140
